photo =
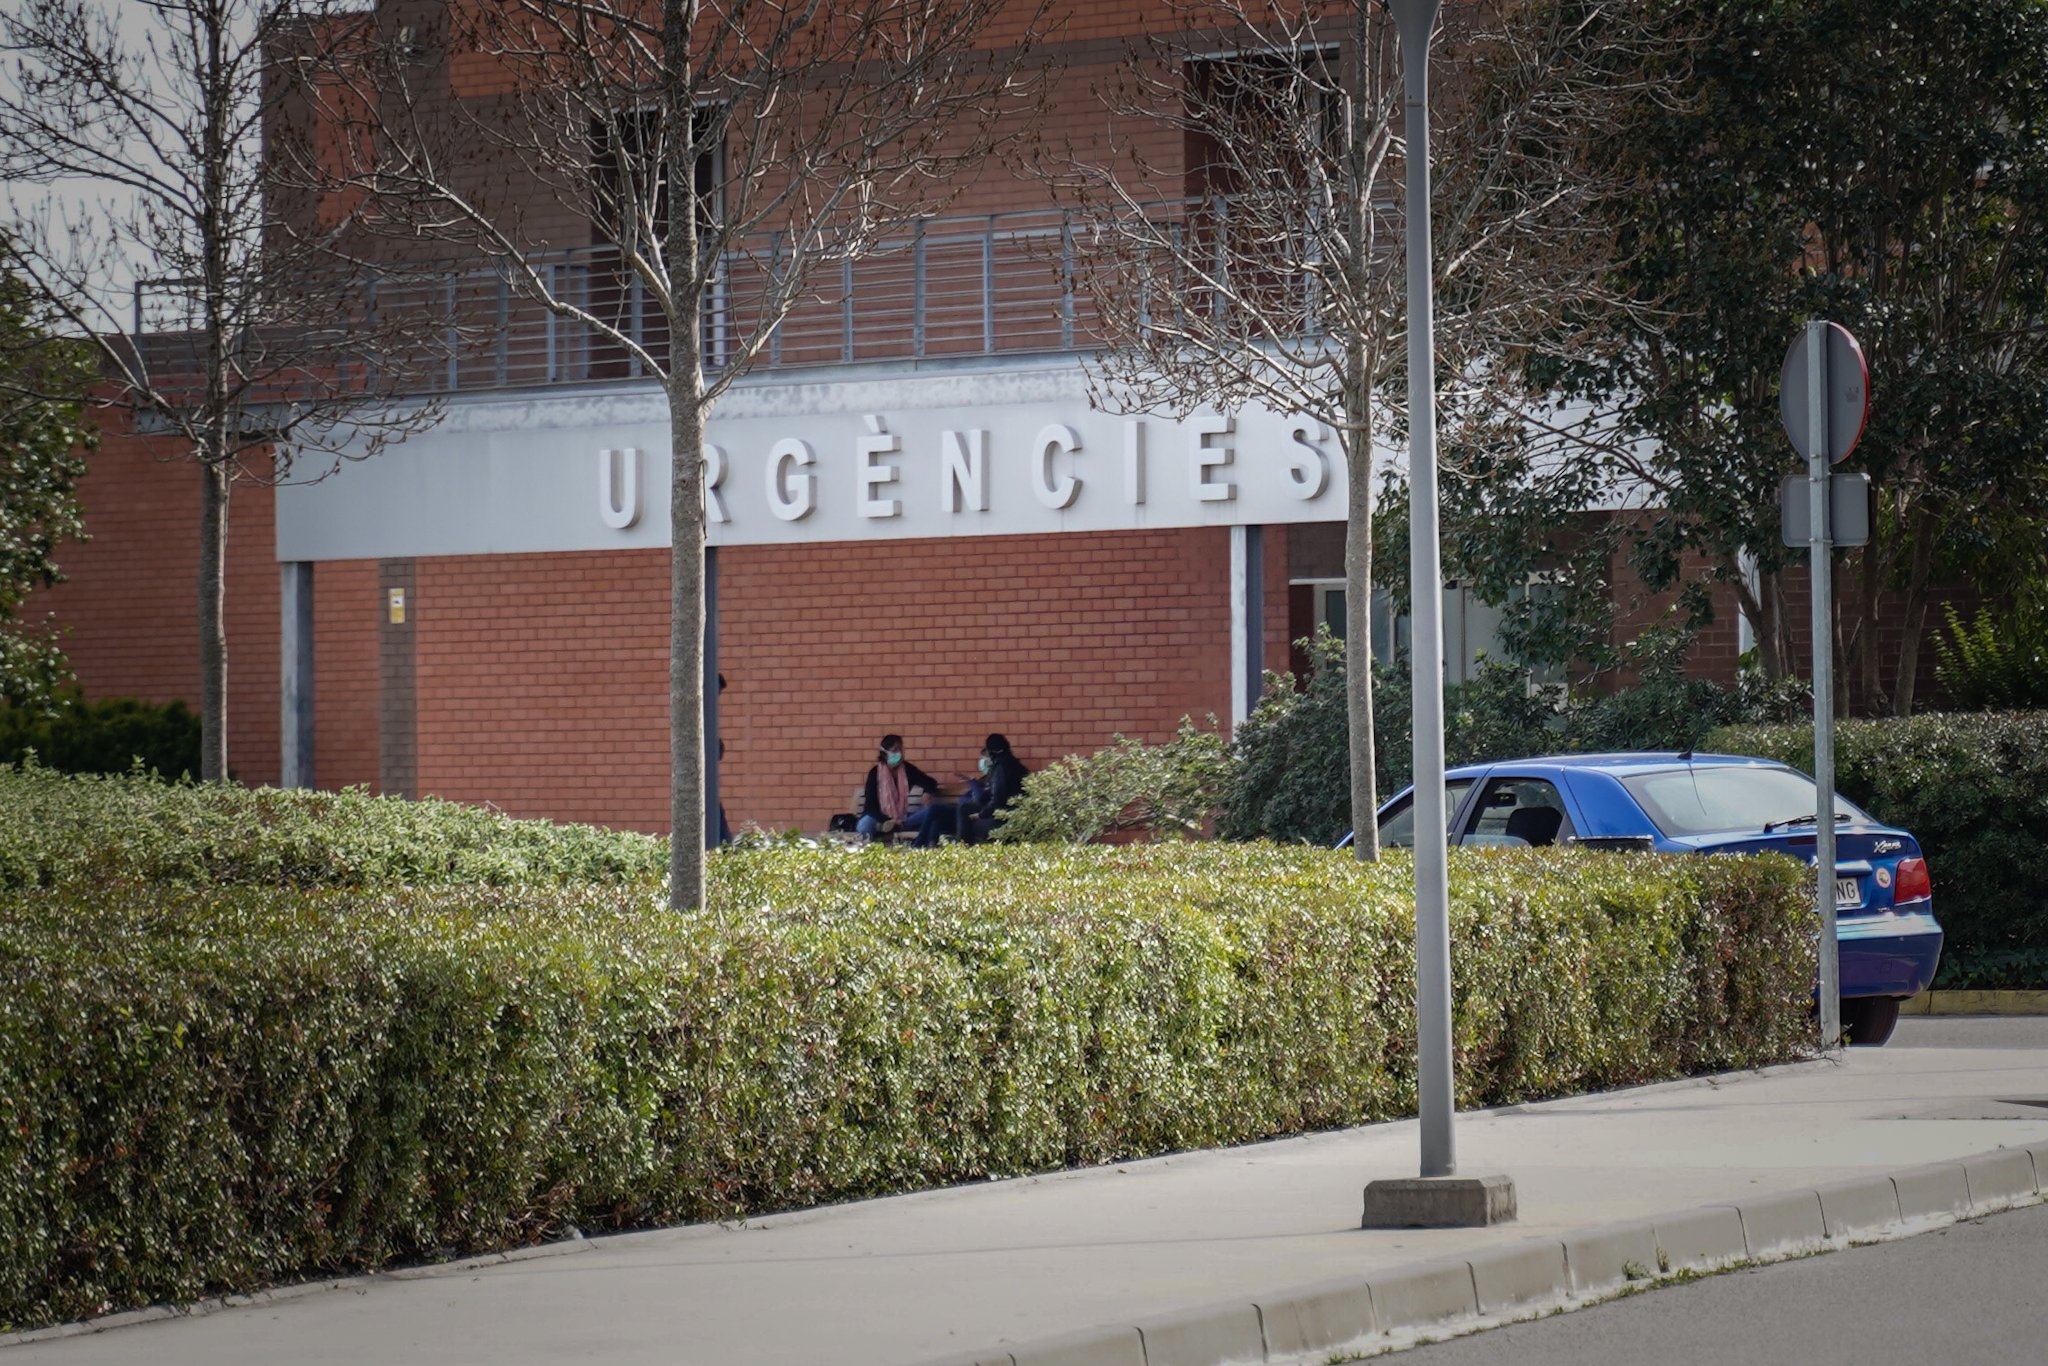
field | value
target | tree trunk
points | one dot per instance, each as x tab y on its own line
687	817
1365	842
1360	114
1913	621
214	472
1774	646
688	412
1874	701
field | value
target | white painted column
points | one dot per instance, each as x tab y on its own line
1247	619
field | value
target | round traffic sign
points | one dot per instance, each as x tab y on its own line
1844	388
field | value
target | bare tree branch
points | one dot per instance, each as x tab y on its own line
244	340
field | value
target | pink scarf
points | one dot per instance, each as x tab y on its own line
894	789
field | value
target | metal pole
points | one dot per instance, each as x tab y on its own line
1822	571
917	300
1435	1098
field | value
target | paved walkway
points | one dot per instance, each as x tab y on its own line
970	1271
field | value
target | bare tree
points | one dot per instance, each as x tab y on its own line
729	155
242	340
1267	259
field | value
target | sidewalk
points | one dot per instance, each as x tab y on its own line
976	1272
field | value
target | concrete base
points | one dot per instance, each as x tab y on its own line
1440	1202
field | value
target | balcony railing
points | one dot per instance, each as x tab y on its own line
946	289
990	285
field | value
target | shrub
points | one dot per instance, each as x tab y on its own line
1996	662
1974	790
1292	780
203	1089
58	828
110	736
1166	791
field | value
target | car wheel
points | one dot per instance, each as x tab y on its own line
1868	1020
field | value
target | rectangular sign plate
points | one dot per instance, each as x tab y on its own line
1848	509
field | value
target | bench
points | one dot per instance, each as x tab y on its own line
914	802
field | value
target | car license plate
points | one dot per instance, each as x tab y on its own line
1848	892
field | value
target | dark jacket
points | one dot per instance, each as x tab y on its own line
871	799
1005	784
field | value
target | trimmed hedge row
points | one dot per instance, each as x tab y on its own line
1973	789
206	1089
57	828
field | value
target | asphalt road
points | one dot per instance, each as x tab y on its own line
1972	1031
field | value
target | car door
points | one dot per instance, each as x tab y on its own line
1517	810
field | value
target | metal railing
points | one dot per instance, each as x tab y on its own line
994	284
946	288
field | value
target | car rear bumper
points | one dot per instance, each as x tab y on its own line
1890	953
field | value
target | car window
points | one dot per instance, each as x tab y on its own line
1397	827
1519	811
1703	800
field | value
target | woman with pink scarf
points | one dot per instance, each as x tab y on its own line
885	804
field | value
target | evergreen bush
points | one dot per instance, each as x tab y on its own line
204	1088
114	735
1166	791
57	828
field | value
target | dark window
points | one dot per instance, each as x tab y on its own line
1518	811
1397	827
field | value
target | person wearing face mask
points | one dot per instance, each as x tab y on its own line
885	804
1001	783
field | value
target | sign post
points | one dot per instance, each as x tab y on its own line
1824	397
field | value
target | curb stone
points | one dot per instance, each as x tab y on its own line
1495	1285
1999	1180
1938	1190
1787	1222
1207	1337
1700	1239
1860	1205
1601	1258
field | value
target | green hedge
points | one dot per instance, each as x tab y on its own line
206	1088
1974	790
110	736
56	828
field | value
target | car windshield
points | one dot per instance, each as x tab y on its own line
1704	799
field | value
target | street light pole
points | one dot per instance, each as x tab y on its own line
1434	1096
1439	1197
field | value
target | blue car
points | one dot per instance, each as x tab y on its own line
1713	804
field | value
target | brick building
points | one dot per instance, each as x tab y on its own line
918	524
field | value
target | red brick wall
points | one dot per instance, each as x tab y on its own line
542	679
347	605
1060	642
132	601
543	683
